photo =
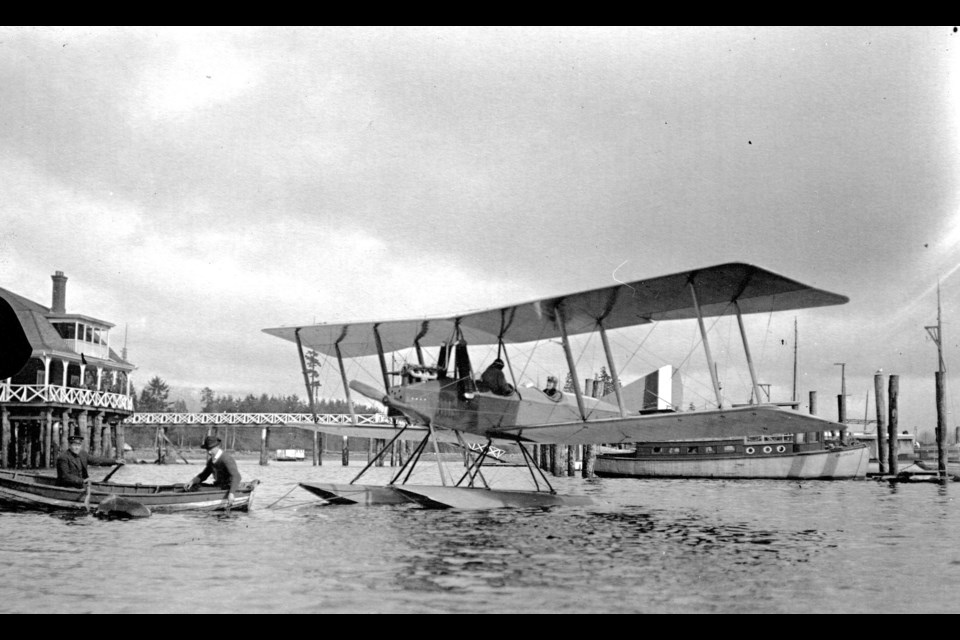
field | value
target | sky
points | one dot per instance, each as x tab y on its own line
198	185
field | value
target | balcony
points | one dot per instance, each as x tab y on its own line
47	394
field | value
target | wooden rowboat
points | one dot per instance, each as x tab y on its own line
41	491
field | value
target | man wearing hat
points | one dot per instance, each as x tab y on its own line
72	463
551	390
494	379
221	465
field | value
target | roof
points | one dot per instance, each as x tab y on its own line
41	335
754	289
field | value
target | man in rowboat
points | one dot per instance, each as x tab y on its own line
221	465
72	463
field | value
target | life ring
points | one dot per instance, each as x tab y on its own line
767	449
781	449
750	450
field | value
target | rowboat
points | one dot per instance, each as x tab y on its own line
41	491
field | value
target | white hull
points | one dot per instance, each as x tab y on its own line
840	464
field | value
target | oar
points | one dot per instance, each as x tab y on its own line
113	471
86	501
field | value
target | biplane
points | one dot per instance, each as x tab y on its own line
446	395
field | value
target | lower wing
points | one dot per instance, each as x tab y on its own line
737	422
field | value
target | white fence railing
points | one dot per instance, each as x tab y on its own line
276	419
65	395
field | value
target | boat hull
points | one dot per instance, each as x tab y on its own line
838	464
41	492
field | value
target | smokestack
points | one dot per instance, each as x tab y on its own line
59	293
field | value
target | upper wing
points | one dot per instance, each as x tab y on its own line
721	423
756	290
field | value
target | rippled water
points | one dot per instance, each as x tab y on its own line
648	546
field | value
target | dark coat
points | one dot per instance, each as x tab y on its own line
225	473
72	467
495	381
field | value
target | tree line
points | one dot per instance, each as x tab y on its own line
155	398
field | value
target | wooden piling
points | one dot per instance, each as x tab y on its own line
941	425
48	439
121	443
882	452
841	409
559	462
4	438
813	403
892	426
571	461
65	430
265	446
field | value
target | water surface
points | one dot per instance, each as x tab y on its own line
647	546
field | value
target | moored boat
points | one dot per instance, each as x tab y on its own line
773	457
42	492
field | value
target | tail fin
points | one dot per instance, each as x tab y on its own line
658	391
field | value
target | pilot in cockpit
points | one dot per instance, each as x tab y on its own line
551	390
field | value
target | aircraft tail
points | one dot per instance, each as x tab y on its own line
660	390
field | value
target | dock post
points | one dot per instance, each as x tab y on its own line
893	442
841	409
4	437
49	458
813	403
571	461
264	444
558	462
121	444
881	423
65	430
941	425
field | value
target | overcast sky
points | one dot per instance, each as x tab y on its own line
199	185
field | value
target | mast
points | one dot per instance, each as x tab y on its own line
795	396
937	335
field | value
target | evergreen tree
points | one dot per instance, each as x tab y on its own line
153	399
207	400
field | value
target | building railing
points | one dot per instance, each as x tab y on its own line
276	419
65	395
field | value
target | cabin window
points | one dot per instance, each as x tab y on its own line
799	438
729	448
673	450
709	449
693	449
657	450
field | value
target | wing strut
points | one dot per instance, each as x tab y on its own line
317	436
382	358
562	321
706	344
613	368
746	350
353	412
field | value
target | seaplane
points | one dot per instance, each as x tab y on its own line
446	400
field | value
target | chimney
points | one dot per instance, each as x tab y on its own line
59	293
